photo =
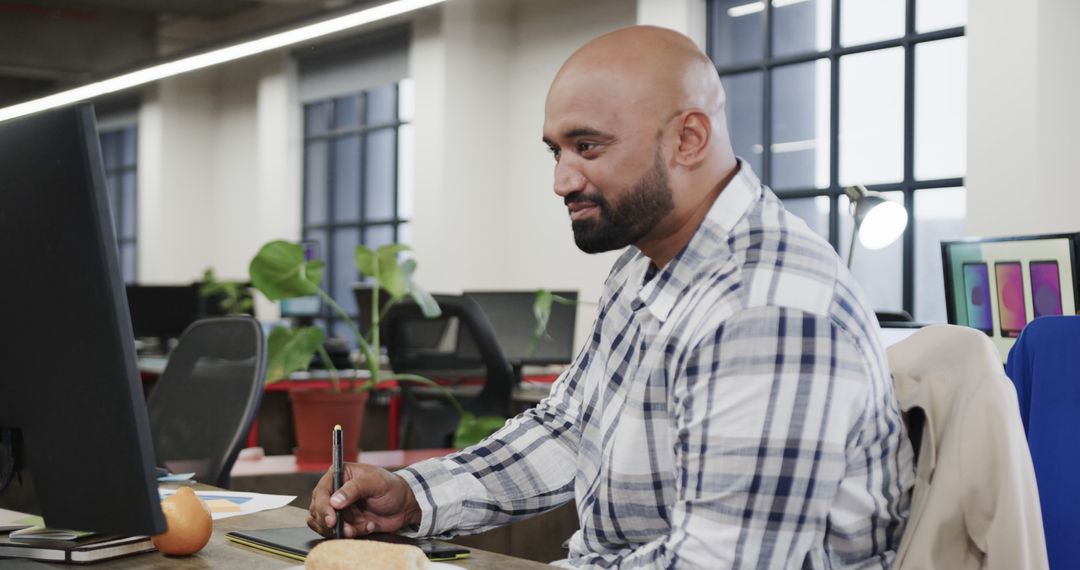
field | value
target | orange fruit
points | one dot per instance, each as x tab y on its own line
188	521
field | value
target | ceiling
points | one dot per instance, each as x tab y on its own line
47	45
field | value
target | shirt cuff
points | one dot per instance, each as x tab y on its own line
440	497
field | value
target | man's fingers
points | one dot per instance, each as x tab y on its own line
360	485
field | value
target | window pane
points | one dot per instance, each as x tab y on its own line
941	108
744	115
378	236
939	215
381	105
879	272
801	25
347	112
317	117
865	21
406	99
316	164
405	171
872	117
110	150
379	175
737	31
344	270
404	233
814	211
127	262
800	126
128	146
347	179
127	206
939	14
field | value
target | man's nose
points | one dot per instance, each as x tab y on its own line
568	179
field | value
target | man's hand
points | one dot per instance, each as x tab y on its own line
371	500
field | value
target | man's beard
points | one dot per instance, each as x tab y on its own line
629	219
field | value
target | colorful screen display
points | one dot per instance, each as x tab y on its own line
1045	288
977	295
1010	290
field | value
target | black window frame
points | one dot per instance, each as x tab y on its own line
326	317
908	185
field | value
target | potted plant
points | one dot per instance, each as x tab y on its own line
280	271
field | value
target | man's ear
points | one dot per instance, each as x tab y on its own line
695	132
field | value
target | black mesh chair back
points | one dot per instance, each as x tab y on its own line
432	347
204	403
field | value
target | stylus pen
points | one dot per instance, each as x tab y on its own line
339	477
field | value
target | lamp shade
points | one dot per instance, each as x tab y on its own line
878	221
883	222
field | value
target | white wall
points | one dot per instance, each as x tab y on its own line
219	158
1023	117
486	215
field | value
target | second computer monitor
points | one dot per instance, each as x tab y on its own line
511	315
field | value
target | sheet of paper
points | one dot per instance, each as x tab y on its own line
175	477
225	504
14	520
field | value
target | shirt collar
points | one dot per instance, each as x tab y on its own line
661	292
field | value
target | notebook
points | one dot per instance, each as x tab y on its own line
80	551
296	542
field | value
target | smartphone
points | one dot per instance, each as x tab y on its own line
1045	288
977	297
1012	310
433	549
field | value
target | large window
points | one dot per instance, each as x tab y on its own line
118	150
357	154
824	94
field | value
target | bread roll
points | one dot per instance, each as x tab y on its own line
368	554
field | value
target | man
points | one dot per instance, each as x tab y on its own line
732	407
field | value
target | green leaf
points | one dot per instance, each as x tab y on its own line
391	277
542	313
428	305
279	271
291	350
472	429
365	260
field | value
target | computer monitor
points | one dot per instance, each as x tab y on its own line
70	398
511	315
162	311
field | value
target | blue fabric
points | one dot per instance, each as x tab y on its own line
1044	364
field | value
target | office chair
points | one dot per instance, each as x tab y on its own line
206	399
1044	365
975	503
418	345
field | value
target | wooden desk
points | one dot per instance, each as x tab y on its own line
220	553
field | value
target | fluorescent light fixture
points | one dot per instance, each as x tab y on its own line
755	7
215	57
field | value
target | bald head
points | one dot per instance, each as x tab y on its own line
652	70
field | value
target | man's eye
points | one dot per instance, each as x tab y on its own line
585	146
554	152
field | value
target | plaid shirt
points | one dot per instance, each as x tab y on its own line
731	410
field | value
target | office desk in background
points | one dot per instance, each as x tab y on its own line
272	429
220	553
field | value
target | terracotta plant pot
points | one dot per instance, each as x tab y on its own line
314	414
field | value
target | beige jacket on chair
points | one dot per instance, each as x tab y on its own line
975	502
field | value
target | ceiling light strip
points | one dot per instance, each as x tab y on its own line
215	57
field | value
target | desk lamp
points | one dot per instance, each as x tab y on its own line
878	222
